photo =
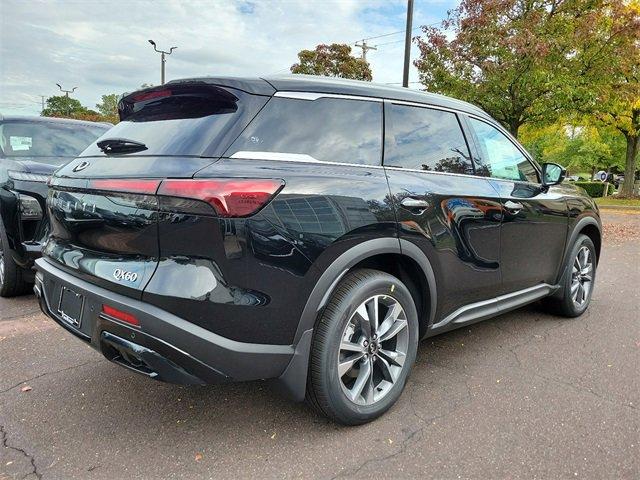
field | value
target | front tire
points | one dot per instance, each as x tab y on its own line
578	281
363	348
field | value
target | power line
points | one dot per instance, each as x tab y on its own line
389	43
397	32
389	34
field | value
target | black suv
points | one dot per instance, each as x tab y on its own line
31	148
306	230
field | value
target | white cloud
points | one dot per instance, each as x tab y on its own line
101	46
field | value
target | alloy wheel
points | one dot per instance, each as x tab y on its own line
373	349
581	276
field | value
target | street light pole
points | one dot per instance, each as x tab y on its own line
66	92
407	44
163	59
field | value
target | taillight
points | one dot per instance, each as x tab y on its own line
120	315
230	197
147	187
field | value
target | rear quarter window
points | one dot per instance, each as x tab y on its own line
327	129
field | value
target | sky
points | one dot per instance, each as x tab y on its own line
102	46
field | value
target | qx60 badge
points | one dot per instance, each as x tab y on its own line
120	274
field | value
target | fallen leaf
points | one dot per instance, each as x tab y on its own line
26	388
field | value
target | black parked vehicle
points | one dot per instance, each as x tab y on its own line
306	230
31	148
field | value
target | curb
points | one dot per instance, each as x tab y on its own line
633	208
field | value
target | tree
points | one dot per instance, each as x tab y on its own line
513	58
108	108
333	60
580	148
62	106
610	90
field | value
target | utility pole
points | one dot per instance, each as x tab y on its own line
163	59
407	44
42	97
363	45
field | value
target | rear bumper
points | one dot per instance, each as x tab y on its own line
164	347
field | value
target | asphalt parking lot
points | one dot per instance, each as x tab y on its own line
525	395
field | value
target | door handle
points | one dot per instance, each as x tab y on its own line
409	202
513	207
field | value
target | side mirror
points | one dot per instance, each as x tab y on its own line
552	174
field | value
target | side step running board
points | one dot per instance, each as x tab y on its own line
478	311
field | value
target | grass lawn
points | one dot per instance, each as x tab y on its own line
621	202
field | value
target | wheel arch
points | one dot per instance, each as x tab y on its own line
392	255
589	226
592	231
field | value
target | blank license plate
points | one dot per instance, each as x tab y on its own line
70	308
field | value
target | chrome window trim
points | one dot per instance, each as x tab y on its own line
304	158
286	157
402	169
429	105
292	157
311	96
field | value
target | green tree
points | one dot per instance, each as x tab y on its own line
517	59
108	108
62	106
333	60
610	88
580	148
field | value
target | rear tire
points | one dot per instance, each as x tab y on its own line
359	366
578	281
11	274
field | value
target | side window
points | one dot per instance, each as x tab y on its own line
425	139
327	129
500	157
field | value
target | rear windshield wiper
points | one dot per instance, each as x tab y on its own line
120	145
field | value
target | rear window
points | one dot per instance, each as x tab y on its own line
181	120
326	129
46	139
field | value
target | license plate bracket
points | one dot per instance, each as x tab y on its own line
70	306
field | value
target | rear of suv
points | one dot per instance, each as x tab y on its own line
306	230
